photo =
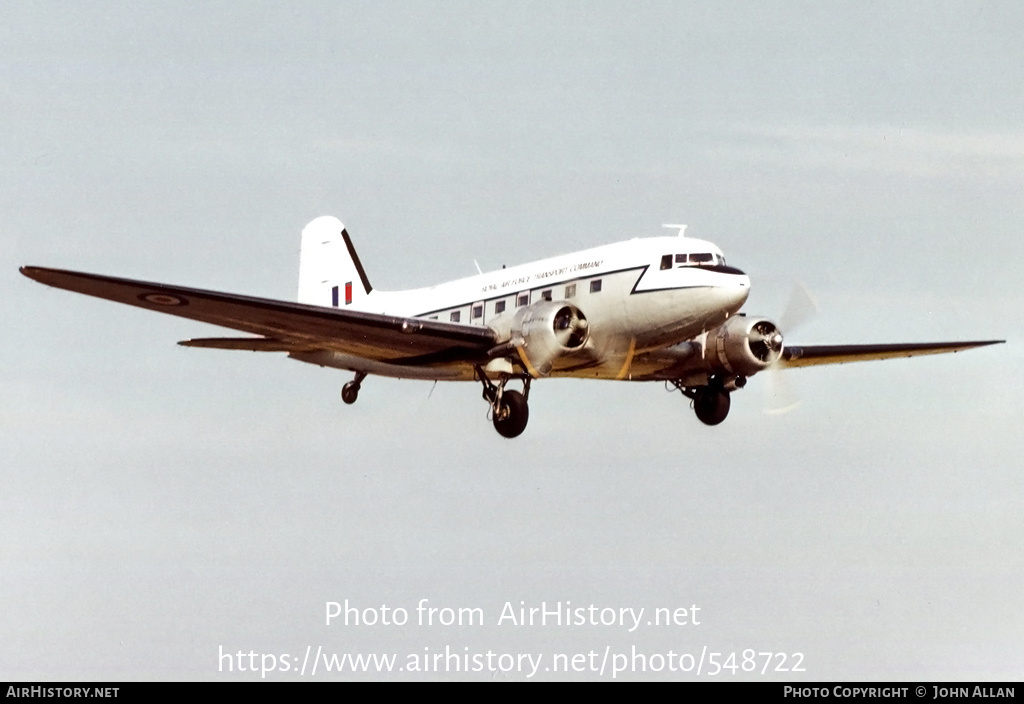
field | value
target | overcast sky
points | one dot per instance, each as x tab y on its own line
159	504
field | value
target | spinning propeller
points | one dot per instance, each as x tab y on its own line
800	308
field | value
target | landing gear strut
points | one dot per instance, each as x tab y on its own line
350	391
509	409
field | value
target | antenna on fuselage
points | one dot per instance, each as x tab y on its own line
681	228
478	269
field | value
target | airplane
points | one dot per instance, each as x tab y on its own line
651	309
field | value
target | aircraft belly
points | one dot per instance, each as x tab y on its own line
619	367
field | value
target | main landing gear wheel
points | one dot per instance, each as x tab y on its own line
510	410
350	391
511	414
711	404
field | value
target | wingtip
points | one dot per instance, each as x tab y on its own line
41	274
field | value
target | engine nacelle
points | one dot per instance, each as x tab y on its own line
743	346
545	331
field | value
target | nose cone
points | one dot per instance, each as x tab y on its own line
735	288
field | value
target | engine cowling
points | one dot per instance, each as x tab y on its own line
545	331
744	346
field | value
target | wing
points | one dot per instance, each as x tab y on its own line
287	327
811	355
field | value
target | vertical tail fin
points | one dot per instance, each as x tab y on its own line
330	273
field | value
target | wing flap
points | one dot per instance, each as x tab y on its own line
283	325
813	355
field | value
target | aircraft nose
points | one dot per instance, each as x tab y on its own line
736	290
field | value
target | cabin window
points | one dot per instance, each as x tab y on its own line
499	307
478	311
595	286
666	261
455	316
433	317
546	295
523	300
570	291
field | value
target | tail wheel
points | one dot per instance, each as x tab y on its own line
511	416
711	405
350	392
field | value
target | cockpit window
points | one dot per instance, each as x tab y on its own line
695	259
666	261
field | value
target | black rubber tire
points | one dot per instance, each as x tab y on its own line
711	405
513	422
349	392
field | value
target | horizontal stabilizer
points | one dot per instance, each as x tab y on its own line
812	355
251	344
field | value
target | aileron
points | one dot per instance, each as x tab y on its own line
813	355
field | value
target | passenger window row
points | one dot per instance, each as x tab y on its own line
521	300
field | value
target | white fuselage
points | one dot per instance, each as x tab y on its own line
640	297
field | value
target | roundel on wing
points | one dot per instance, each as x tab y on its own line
163	299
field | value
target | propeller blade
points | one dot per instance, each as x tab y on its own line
800	308
781	394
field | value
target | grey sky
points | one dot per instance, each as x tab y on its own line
158	502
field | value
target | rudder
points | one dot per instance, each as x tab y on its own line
330	273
